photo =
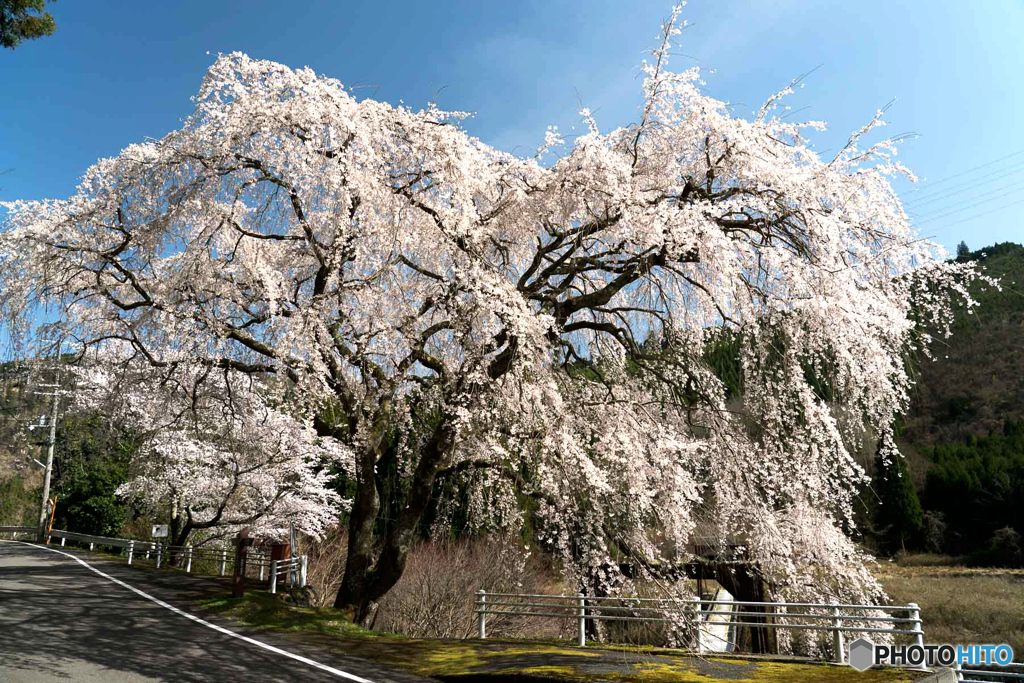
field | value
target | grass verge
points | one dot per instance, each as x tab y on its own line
497	661
962	605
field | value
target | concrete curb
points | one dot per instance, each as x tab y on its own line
940	676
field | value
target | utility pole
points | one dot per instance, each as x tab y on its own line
50	443
43	512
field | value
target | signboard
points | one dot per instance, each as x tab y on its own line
159	531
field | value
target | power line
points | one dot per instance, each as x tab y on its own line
971	206
926	199
972	170
939	208
983	213
968	202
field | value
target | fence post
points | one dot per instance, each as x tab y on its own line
131	550
481	605
223	561
188	565
62	539
915	613
698	631
262	567
958	669
581	605
302	570
837	636
273	576
91	546
159	554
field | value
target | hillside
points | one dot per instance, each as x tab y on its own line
976	381
963	437
20	404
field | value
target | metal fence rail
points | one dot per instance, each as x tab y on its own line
294	569
694	613
183	556
15	530
1012	673
93	540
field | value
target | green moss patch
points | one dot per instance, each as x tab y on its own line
263	611
498	661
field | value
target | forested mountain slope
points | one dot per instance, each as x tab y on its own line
964	433
976	381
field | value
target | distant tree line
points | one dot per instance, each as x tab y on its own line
977	486
970	505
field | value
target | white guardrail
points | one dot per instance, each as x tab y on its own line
293	570
15	530
1008	674
837	618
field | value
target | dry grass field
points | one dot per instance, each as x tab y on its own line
960	604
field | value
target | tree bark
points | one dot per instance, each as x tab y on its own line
359	558
362	585
746	584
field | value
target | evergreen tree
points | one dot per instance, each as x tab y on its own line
962	250
24	19
898	517
91	462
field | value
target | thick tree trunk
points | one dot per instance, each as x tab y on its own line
362	585
176	521
179	531
178	540
359	559
746	584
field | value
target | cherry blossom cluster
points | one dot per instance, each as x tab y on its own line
375	274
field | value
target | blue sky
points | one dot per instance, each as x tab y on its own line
117	72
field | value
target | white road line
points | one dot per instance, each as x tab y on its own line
269	648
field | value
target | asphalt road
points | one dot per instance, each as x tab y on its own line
60	621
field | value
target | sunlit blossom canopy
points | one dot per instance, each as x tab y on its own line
552	316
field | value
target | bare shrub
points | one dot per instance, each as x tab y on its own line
326	564
675	633
1004	548
933	532
436	596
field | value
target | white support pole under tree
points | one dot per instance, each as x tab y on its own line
581	605
273	576
481	605
698	631
838	643
131	551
